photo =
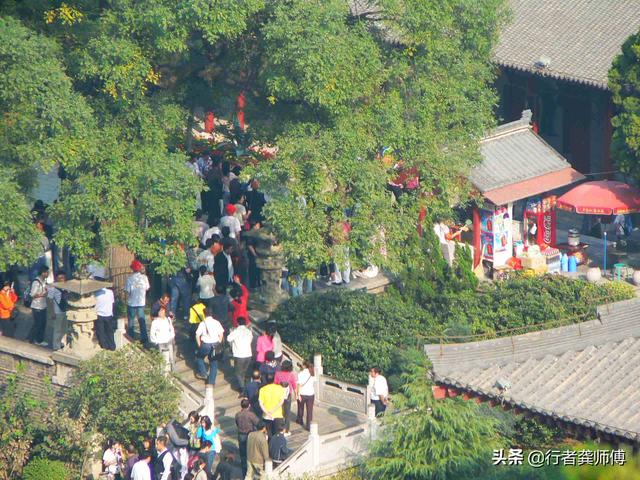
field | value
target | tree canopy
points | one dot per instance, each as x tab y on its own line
624	81
329	82
431	439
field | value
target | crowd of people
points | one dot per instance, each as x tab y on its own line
209	298
263	424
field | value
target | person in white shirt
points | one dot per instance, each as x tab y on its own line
105	324
306	390
141	469
112	460
441	230
241	339
379	391
38	292
163	334
229	220
136	287
58	317
209	337
210	232
206	284
207	258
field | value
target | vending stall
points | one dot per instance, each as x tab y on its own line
518	167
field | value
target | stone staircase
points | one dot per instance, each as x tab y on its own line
226	397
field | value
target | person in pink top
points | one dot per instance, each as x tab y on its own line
263	345
288	380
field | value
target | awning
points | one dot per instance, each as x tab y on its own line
533	186
603	197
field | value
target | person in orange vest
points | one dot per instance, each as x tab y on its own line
8	299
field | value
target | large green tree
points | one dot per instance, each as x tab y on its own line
342	83
329	82
125	393
431	439
624	81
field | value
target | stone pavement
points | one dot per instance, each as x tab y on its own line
227	402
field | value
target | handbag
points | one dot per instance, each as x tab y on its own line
217	351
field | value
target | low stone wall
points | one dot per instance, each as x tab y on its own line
39	372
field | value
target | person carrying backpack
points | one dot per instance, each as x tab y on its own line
166	467
36	298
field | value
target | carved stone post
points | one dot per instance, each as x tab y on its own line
120	332
270	261
81	316
314	436
373	422
209	405
317	368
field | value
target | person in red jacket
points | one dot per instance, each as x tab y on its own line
239	300
8	299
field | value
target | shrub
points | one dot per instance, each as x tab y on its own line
45	469
522	301
126	393
353	330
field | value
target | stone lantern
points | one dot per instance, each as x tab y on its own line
270	261
81	316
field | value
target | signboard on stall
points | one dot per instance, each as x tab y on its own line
486	237
496	234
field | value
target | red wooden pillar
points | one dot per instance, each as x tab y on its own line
477	247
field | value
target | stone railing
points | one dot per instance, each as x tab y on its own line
327	454
342	394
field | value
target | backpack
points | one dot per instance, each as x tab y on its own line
175	468
27	299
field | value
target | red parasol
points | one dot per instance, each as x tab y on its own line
604	197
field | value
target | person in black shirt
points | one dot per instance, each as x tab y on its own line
278	448
251	390
255	202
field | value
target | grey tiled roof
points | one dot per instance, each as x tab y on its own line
579	37
513	153
587	373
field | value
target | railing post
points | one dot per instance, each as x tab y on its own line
373	422
317	367
118	335
314	437
209	406
268	469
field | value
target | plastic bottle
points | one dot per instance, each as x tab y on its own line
573	264
564	263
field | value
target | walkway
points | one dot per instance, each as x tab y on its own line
227	402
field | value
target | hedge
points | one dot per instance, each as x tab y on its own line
522	301
353	330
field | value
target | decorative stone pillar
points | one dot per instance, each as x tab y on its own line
81	316
270	261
